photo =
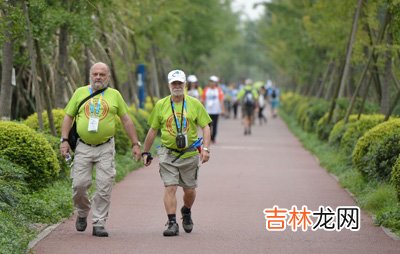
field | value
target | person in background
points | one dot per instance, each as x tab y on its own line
261	105
213	100
178	116
248	97
96	148
193	88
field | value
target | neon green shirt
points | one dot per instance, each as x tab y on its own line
162	118
111	105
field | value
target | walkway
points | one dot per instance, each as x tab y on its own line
246	174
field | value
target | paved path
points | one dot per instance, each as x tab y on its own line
245	176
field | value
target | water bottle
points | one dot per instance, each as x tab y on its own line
68	159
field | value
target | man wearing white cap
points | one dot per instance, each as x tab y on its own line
213	100
193	88
178	116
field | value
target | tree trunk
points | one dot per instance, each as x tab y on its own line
6	73
385	100
322	85
87	65
154	76
62	69
45	90
370	58
343	77
32	57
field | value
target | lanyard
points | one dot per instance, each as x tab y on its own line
91	104
183	119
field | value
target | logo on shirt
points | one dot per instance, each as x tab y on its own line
104	108
171	125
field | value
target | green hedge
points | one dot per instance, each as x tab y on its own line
395	178
338	130
122	141
356	129
12	183
377	150
58	116
14	234
316	109
30	150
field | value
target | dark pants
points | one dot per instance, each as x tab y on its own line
214	125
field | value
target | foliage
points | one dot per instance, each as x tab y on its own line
376	151
48	205
23	146
315	110
339	129
356	129
14	233
58	116
12	183
395	178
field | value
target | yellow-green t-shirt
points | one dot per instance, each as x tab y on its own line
111	105
162	118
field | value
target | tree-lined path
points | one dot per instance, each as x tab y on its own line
246	174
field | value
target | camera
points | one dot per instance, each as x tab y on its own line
180	141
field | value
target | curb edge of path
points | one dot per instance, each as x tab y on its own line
45	232
387	231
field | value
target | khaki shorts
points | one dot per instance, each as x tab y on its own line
182	172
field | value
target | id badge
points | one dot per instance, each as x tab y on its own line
186	140
93	124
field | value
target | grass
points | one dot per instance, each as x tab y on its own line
377	198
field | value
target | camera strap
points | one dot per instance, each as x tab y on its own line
182	125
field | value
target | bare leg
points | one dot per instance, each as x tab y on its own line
170	199
189	197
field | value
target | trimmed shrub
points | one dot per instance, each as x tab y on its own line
376	151
122	141
356	129
54	142
395	177
316	109
12	183
290	101
339	129
58	116
24	147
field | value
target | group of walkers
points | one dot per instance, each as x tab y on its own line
221	100
177	116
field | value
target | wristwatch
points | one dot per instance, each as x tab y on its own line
63	140
137	144
206	149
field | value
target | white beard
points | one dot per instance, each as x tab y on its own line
177	92
98	85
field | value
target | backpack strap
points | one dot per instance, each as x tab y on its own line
90	96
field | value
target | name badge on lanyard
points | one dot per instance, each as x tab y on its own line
93	125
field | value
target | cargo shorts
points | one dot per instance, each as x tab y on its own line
182	172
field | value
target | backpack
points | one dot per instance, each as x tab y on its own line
248	99
273	94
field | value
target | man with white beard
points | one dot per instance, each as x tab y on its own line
178	116
95	122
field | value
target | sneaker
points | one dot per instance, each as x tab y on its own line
81	223
187	222
100	232
172	230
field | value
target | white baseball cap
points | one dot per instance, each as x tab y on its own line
214	78
192	78
176	75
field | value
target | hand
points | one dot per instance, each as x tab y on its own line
204	156
136	152
64	149
147	159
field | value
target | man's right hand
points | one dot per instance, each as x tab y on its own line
147	159
64	149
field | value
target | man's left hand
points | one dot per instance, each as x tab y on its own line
204	156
